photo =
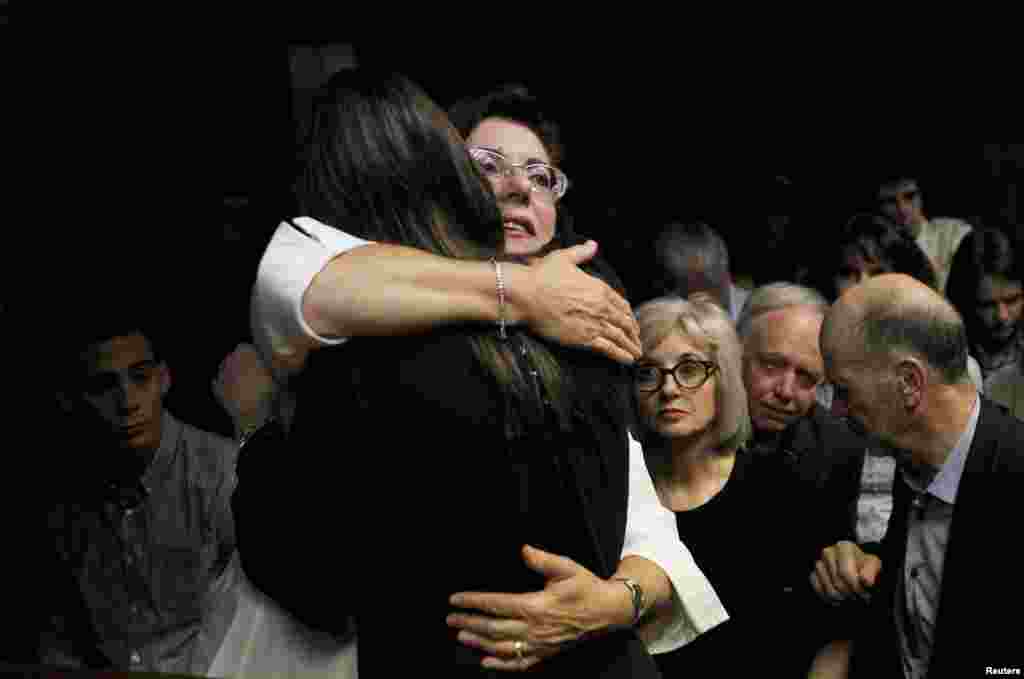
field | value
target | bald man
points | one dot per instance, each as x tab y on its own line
947	585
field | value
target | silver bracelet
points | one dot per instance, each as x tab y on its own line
637	595
501	298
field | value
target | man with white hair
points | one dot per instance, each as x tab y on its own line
812	459
782	371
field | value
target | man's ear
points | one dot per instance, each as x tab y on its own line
165	379
912	378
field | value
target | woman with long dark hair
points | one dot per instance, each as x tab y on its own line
418	466
986	285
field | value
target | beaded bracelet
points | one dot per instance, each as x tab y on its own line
501	298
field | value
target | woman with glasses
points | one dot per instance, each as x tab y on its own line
419	466
693	422
518	149
318	283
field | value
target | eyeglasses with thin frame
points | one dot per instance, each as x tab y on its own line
546	180
689	373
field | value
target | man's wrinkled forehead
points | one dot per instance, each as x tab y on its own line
792	332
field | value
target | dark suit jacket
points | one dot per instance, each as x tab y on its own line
808	484
830	462
977	623
817	468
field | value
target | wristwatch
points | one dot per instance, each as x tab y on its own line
637	594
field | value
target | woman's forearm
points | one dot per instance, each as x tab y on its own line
381	289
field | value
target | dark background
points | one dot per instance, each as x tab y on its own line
650	137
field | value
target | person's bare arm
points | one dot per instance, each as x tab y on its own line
380	289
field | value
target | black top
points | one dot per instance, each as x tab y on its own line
411	489
720	536
755	552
